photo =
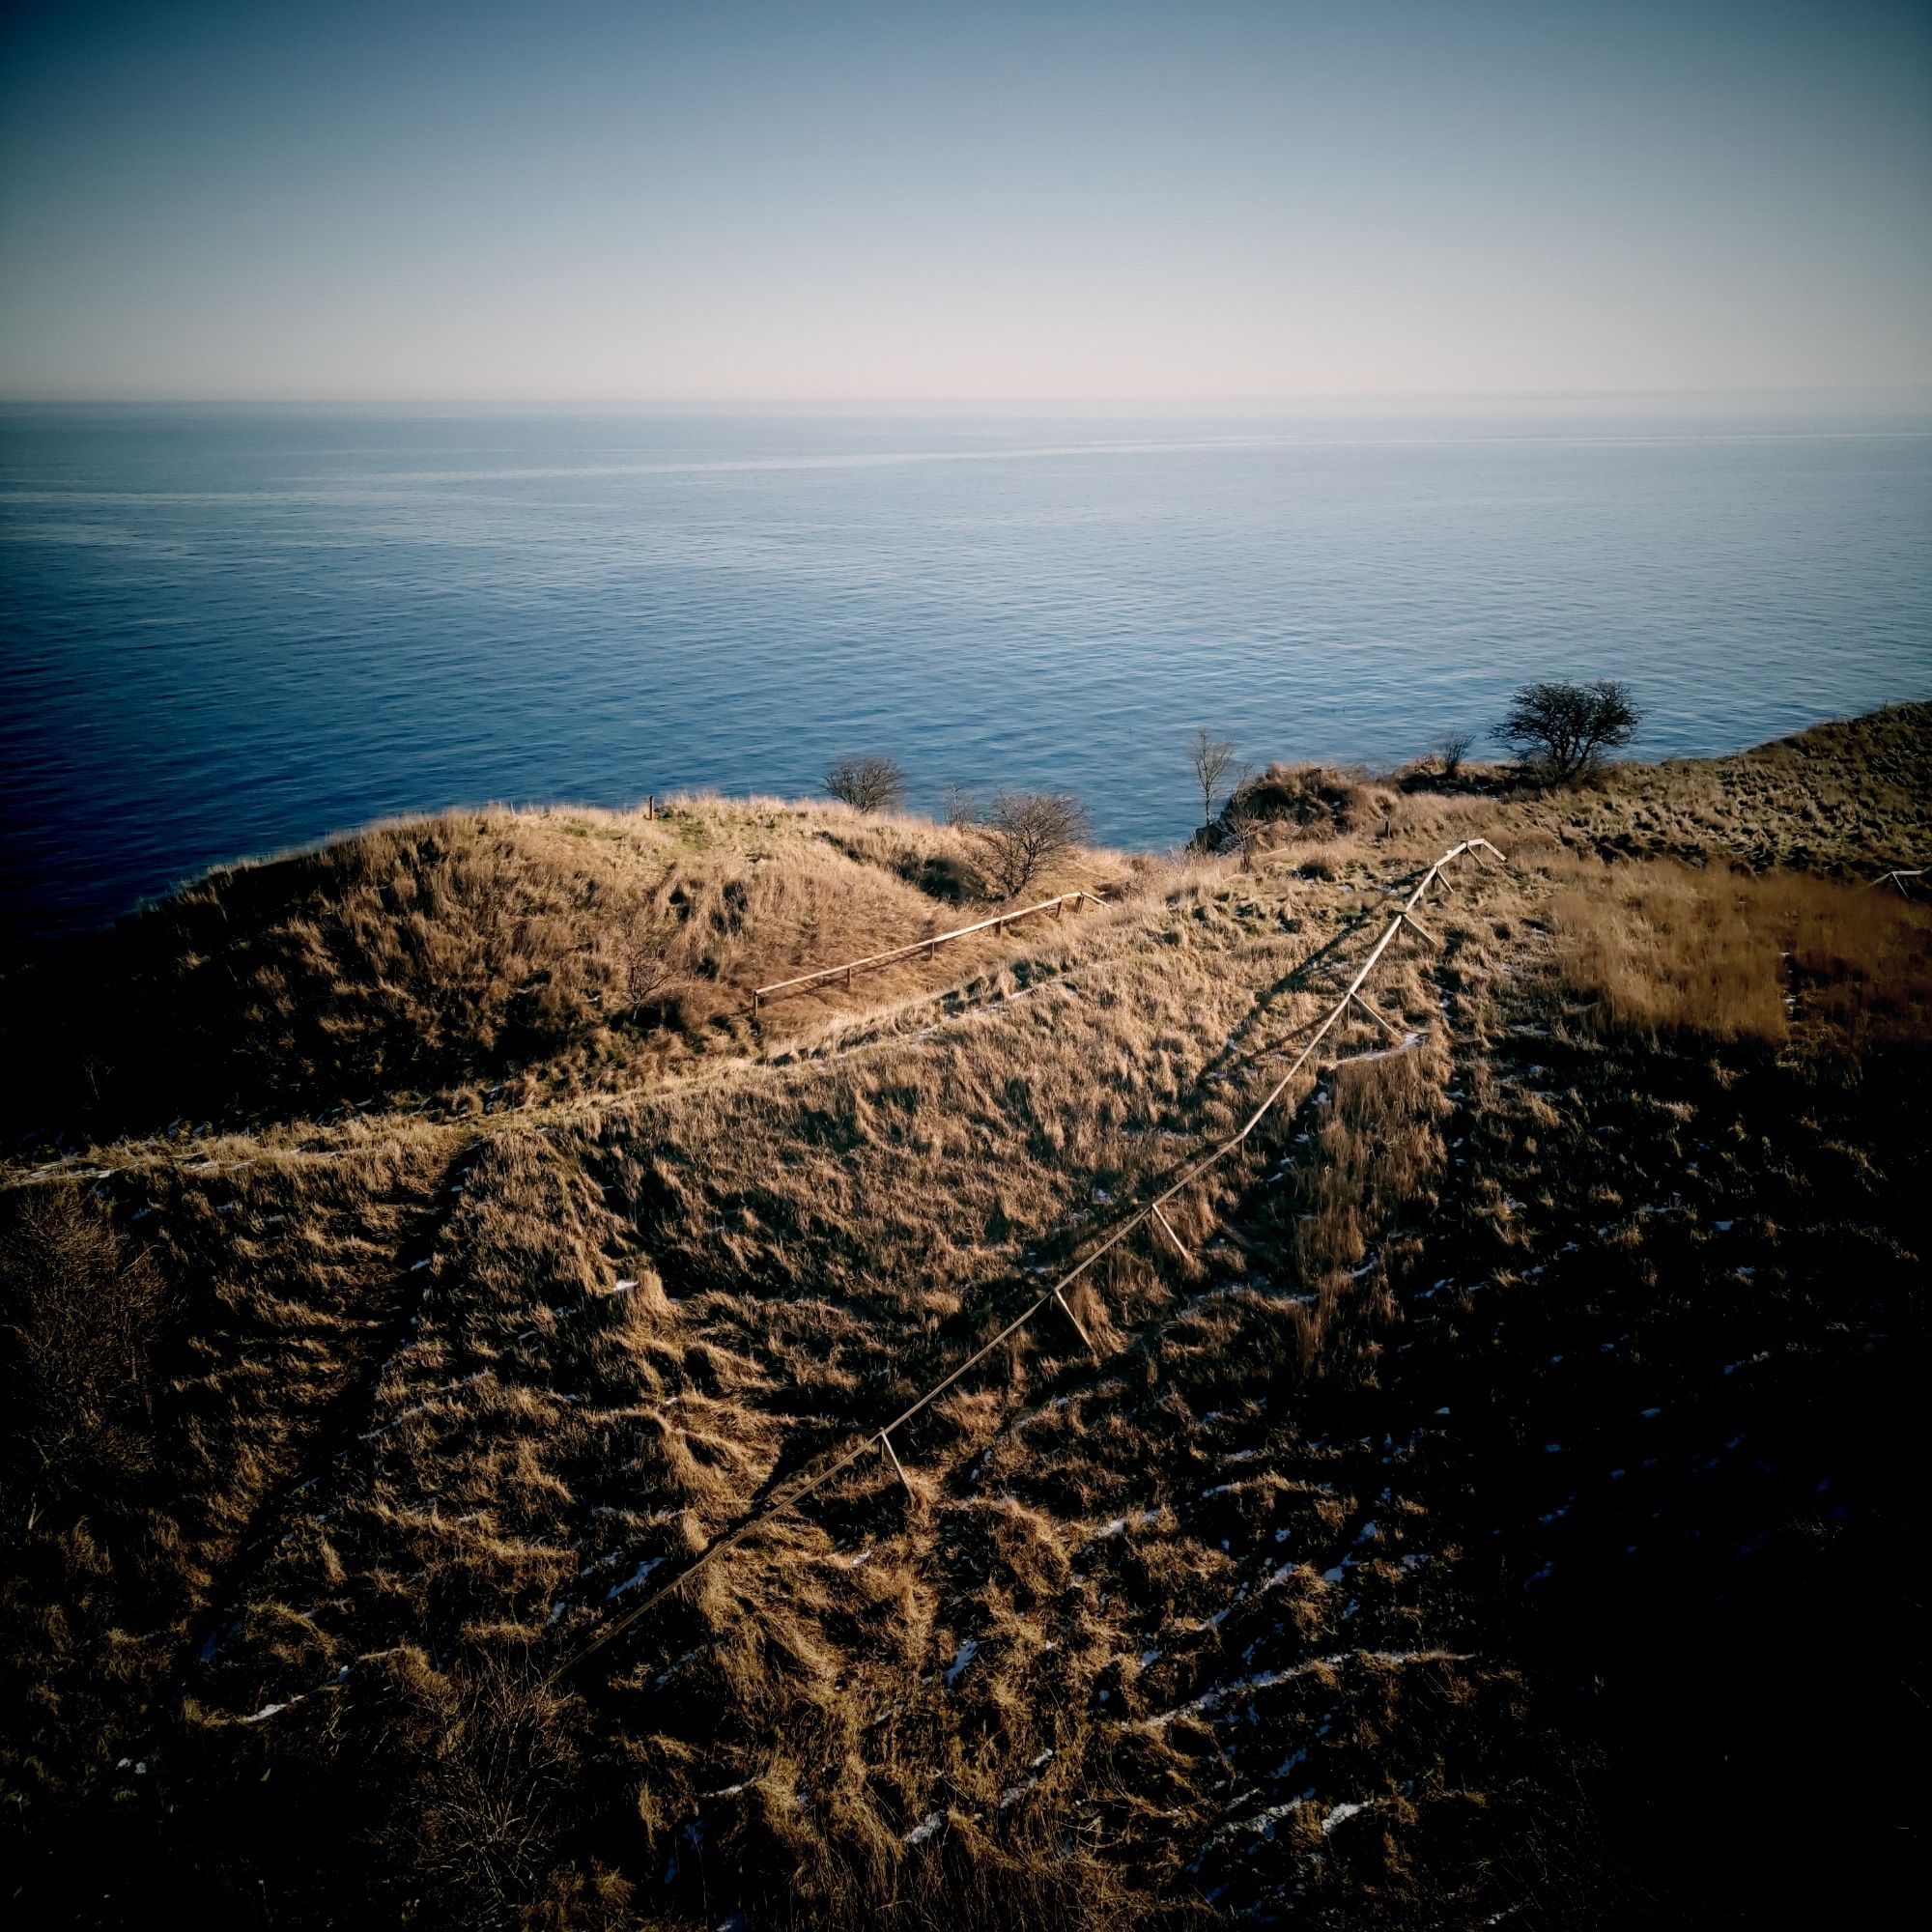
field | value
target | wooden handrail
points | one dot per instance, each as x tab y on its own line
873	960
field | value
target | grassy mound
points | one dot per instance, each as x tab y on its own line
426	961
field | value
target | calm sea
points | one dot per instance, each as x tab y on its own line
223	632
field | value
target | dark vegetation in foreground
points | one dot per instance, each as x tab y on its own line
1505	1512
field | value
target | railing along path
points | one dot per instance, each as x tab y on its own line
1055	1296
874	960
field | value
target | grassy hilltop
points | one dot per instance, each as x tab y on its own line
1503	1512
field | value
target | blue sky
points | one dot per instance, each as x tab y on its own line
833	202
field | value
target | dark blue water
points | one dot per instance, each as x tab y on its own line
224	631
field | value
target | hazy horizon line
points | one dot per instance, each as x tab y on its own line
1211	402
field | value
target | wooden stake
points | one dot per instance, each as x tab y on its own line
1376	1016
1075	1319
885	1443
1168	1231
1420	927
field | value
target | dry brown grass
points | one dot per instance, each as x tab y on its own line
1672	950
436	1401
433	959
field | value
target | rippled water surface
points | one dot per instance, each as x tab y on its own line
223	632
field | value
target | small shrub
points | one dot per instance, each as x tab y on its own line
1449	750
1311	800
79	1323
866	784
939	875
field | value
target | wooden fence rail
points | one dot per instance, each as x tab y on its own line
873	960
788	1496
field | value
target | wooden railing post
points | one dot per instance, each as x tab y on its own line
1167	1229
1075	1319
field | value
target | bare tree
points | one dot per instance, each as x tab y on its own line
958	806
868	784
1449	748
647	942
1561	731
1239	832
1025	832
1210	757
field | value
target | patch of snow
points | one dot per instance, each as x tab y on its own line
1341	1813
1265	1822
1120	1524
927	1829
631	1582
1030	1783
967	1650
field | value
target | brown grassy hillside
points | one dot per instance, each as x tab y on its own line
1457	1533
442	964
